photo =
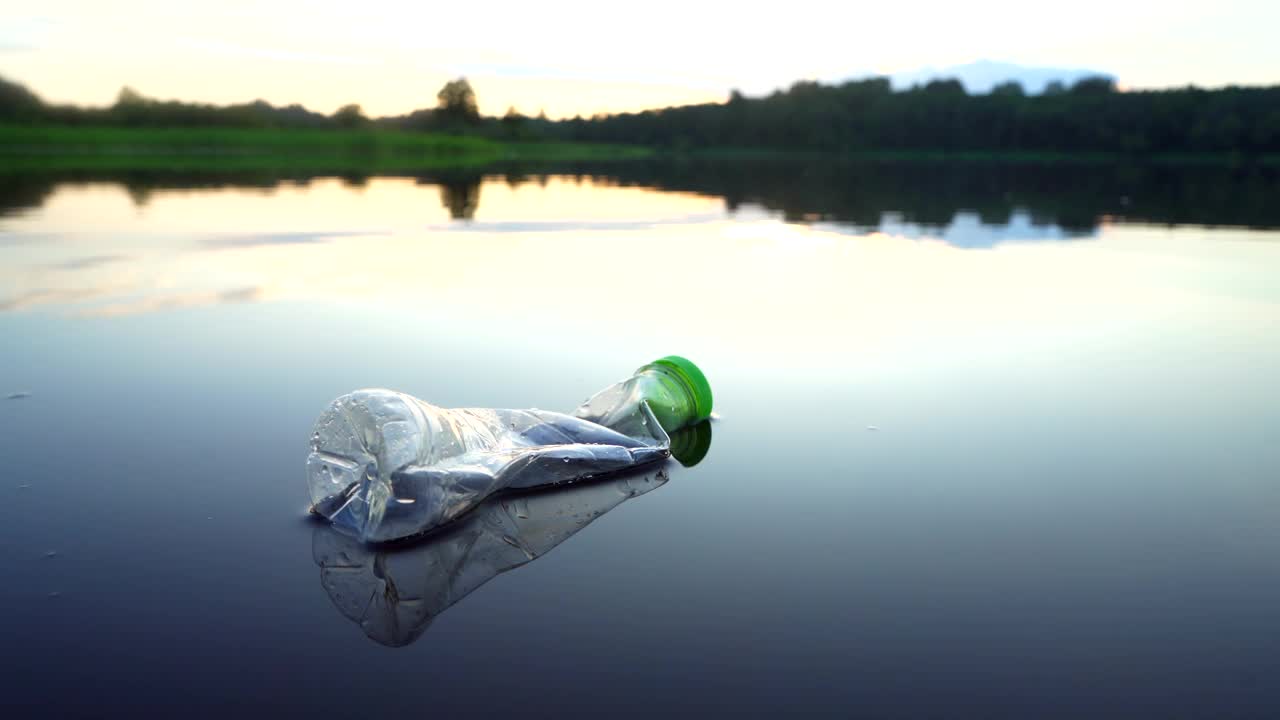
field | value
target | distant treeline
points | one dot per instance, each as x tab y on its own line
862	115
456	112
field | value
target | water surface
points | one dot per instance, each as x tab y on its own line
1001	443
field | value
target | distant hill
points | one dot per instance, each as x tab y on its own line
979	77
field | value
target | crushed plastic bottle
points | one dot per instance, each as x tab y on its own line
385	465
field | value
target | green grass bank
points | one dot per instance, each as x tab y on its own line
106	148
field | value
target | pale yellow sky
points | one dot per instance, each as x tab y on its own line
578	57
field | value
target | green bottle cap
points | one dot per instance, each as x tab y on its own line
693	377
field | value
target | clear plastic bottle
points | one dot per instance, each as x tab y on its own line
385	465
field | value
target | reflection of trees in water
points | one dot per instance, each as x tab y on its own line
1072	196
19	192
140	194
459	191
462	198
29	190
930	194
354	180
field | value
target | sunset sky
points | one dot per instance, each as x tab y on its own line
572	57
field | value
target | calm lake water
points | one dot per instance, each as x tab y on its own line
990	442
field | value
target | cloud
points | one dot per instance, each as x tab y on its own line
596	72
275	54
26	34
173	302
243	240
541	226
26	238
15	46
87	262
45	296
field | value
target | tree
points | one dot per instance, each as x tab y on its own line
1009	88
945	87
129	96
1055	87
1094	85
457	102
513	122
350	116
16	101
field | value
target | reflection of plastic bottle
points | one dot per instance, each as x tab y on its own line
386	465
394	591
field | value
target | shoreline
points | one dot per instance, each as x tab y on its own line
65	147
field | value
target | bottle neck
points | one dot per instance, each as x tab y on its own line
670	397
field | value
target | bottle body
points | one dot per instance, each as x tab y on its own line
385	465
